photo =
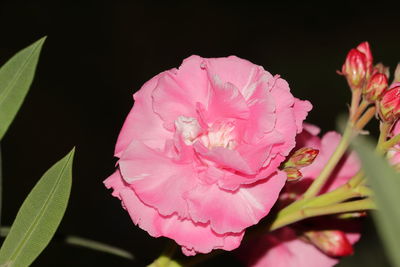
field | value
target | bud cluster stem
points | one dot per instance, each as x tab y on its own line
301	214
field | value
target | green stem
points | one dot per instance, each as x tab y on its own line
384	129
364	104
391	142
357	205
98	246
165	259
351	189
331	164
85	243
355	101
368	115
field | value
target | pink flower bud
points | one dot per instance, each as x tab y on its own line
302	157
293	174
380	68
389	105
355	69
333	243
397	74
364	48
375	87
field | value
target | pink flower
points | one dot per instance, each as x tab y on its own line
200	150
309	243
394	152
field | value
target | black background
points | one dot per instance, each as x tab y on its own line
99	52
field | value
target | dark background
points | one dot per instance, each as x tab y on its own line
99	52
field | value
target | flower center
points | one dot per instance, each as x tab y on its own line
219	134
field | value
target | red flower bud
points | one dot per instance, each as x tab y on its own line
333	243
355	69
389	105
375	87
302	157
364	48
358	66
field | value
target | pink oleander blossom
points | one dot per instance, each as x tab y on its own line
288	246
200	150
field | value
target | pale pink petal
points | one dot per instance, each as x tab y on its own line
237	71
157	180
171	101
233	211
195	238
301	109
142	117
262	117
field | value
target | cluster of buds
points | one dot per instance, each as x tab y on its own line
300	159
372	82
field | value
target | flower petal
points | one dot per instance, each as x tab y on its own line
234	211
156	179
142	117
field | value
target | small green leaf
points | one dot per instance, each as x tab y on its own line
15	79
385	182
39	215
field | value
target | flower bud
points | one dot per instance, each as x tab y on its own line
397	74
364	48
302	157
358	66
380	68
375	87
389	105
355	69
293	174
333	243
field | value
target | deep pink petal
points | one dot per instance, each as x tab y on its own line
225	101
223	157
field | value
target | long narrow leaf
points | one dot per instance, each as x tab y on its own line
39	215
15	79
385	182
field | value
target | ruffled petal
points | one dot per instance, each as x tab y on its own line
142	117
178	91
233	211
193	237
157	180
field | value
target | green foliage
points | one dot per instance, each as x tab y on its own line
15	79
39	215
385	182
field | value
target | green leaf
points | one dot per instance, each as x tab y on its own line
39	215
15	79
385	182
